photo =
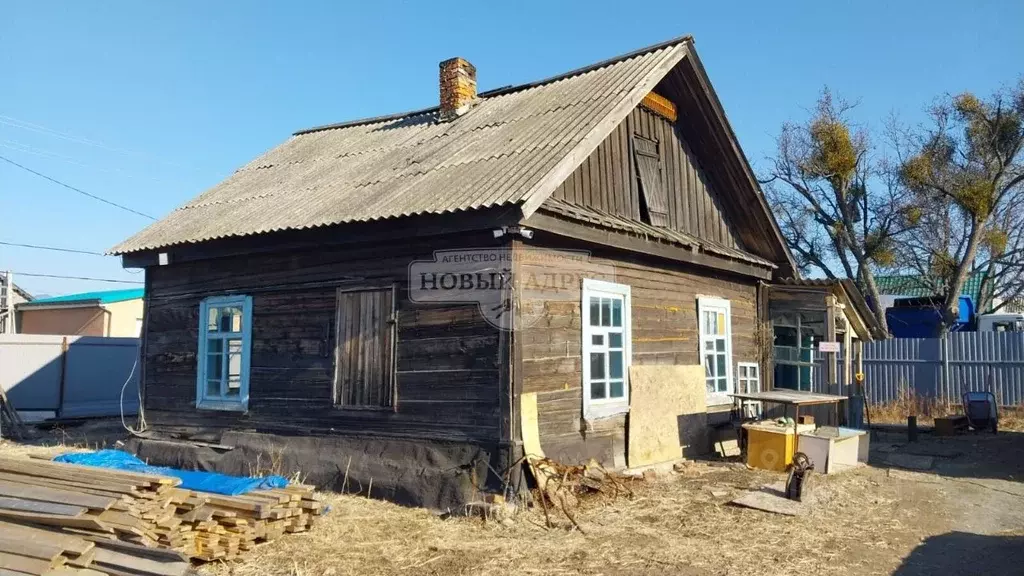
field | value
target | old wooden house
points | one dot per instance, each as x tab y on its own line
373	297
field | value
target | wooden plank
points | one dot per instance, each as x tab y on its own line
71	544
120	562
85	522
50	469
53	495
41	507
18	563
10	544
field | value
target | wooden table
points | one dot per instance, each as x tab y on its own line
792	398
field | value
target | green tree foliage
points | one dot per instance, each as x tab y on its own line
965	172
838	204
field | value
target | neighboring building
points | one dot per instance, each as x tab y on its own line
17	297
373	297
107	313
892	288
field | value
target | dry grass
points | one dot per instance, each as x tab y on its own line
927	409
673	524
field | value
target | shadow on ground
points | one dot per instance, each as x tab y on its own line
965	554
978	455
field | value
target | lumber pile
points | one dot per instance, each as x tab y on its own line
118	522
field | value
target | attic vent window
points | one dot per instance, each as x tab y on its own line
648	169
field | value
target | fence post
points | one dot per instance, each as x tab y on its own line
63	376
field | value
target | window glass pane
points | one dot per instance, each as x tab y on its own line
211	320
606	311
709	323
721	324
615	364
709	345
743	372
214	346
754	369
785	336
214	367
720	358
723	385
617	312
709	365
786	376
595	311
615	340
234	364
213	388
720	344
230	319
710	385
597	365
597	340
596	390
805	378
616	389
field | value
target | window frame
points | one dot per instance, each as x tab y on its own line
784	361
605	407
203	401
751	408
706	304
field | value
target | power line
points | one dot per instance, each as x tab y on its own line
53	248
79	190
16	274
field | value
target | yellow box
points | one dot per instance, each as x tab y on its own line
771	447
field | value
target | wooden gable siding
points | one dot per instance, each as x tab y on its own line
664	331
607	180
447	355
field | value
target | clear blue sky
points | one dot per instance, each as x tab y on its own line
154	102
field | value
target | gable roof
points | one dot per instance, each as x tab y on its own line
497	154
17	289
513	148
100	297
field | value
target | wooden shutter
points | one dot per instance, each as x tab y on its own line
648	168
365	355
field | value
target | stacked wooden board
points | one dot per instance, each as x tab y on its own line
89	518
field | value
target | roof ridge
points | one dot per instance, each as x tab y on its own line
504	89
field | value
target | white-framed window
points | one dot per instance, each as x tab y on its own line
715	320
607	348
748	381
225	339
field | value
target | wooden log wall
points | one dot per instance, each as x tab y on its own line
447	354
607	180
664	331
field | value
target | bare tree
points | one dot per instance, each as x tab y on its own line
964	171
838	205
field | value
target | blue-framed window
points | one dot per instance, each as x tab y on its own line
225	339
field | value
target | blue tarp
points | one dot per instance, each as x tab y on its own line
202	481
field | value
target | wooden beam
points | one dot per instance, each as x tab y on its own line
621	241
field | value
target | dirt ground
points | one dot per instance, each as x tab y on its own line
948	505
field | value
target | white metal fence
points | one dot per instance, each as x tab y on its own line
69	376
941	368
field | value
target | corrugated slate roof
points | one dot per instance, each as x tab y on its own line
642	230
100	297
499	153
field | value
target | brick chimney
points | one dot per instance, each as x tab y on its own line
458	88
